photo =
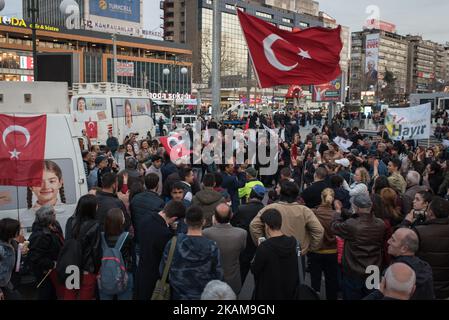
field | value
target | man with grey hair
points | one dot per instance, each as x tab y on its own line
413	179
364	239
218	290
402	246
398	283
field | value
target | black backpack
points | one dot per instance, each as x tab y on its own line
70	255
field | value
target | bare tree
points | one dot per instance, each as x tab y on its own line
228	60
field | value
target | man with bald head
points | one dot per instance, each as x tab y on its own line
398	282
231	241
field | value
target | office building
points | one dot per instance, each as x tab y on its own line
301	6
50	13
373	52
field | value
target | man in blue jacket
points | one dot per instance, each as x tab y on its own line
232	182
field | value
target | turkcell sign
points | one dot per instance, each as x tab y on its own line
128	10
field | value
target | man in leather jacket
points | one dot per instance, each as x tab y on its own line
364	240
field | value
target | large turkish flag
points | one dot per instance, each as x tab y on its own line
281	57
22	150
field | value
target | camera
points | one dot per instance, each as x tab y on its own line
420	216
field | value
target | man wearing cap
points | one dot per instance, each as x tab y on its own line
251	178
343	169
364	237
94	179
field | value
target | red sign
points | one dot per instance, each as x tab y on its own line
330	91
125	69
91	129
381	25
294	92
22	150
281	57
426	75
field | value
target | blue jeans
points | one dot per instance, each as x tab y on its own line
354	288
127	295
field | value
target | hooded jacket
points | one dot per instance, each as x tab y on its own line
196	261
275	269
208	199
7	261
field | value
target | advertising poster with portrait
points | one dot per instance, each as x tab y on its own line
327	92
130	109
372	61
89	109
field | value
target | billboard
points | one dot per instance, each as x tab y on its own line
327	92
128	10
372	61
125	69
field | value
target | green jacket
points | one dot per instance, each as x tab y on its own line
246	190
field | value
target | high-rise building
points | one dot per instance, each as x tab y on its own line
426	65
190	22
301	6
373	53
49	12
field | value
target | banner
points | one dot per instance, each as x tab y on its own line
330	91
343	143
128	10
409	123
371	61
125	69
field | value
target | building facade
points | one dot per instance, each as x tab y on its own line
309	7
369	65
191	22
142	61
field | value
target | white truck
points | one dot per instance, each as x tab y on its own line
64	179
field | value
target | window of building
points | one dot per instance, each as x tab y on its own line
304	25
230	7
209	1
285	28
264	15
286	20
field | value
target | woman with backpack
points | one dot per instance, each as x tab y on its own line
86	229
46	241
118	251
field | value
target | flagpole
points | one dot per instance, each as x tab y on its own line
216	59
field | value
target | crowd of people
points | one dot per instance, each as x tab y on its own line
149	219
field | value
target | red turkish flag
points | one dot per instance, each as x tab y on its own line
22	150
175	146
281	57
91	129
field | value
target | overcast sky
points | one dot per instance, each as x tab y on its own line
430	18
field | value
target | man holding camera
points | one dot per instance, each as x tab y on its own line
434	243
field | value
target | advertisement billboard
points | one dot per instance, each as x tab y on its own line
128	10
125	69
327	92
371	61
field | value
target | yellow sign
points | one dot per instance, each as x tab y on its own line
17	22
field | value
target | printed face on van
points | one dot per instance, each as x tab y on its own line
128	114
47	193
81	105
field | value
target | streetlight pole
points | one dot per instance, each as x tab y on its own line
33	9
216	59
114	52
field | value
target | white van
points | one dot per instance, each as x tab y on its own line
111	107
62	152
183	119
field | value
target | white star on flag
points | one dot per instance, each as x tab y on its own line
304	54
14	154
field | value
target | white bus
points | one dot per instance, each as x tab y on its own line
102	107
